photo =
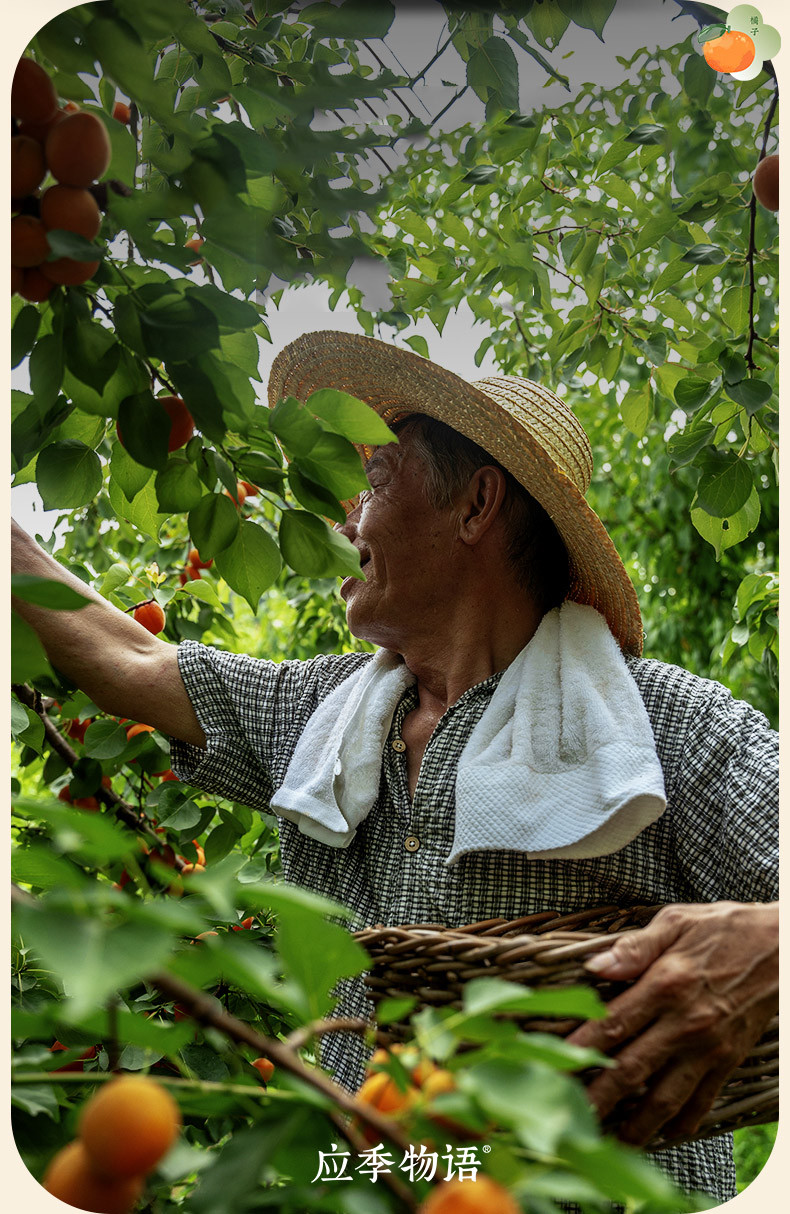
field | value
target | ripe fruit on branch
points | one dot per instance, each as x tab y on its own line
195	561
182	427
33	96
480	1196
189	574
240	495
264	1067
71	209
195	245
151	616
134	730
66	272
766	182
29	245
71	1178
35	287
121	112
78	1064
245	924
194	868
27	166
250	490
78	149
129	1125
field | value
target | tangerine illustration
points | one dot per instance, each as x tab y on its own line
732	51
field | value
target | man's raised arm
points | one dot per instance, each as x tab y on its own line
123	668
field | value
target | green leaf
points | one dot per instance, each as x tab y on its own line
685	446
647	133
91	958
492	71
144	429
294	425
654	230
734	367
548	23
105	740
46	369
693	392
481	174
125	472
46	593
415	225
705	255
69	244
496	994
68	474
698	78
353	19
213	524
589	14
735	308
250	563
176	327
143	512
24	333
28	659
313	549
334	463
418	343
654	347
725	485
635	408
314	497
724	533
315	954
92	352
750	394
352	418
178	488
615	154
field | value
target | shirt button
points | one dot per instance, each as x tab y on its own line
411	843
399	745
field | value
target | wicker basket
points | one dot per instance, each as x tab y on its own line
432	963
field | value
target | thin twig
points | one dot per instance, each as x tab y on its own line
317	1028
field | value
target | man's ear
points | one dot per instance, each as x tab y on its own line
480	503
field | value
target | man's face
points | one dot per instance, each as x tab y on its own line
405	547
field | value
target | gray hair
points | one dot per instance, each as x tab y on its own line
535	550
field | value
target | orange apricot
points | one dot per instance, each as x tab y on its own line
27	166
137	728
480	1196
129	1125
182	427
40	130
70	209
33	96
29	246
17	280
151	616
66	272
121	112
71	1178
194	560
36	287
766	183
264	1067
78	149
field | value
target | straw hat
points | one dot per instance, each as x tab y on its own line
525	426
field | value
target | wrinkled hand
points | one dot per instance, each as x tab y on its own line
708	987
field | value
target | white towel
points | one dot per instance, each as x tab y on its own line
561	763
333	778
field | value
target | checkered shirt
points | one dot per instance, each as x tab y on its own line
716	840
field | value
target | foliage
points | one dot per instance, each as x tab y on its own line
576	238
753	1145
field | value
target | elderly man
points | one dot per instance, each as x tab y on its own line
506	750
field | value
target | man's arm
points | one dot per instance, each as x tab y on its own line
123	668
707	986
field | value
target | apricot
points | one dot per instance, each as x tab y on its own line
195	245
245	924
250	490
133	730
36	287
78	1064
40	130
70	209
189	574
66	272
151	616
129	1125
383	1093
194	868
264	1067
27	166
77	729
71	1178
17	280
766	183
121	112
29	246
182	427
194	560
33	96
239	497
78	149
480	1196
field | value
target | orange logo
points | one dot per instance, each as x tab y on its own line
741	46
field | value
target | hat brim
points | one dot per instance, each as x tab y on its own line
397	382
